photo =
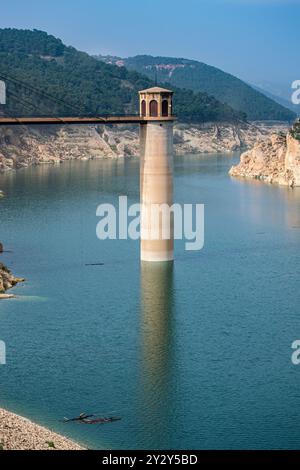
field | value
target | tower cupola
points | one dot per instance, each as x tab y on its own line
156	103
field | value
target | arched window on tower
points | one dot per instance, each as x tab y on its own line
153	108
165	108
143	110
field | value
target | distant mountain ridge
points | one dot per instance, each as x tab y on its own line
197	76
81	84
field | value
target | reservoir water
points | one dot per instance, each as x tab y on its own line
194	357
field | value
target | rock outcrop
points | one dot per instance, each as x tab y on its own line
292	159
7	281
21	147
274	160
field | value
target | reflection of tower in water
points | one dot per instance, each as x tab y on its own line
157	349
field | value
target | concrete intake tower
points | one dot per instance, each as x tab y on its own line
156	174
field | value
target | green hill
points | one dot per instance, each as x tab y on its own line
278	99
81	84
198	76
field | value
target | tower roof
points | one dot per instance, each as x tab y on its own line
156	89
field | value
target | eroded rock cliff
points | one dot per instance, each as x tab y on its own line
274	160
21	147
292	159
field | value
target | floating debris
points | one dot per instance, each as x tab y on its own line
91	419
81	417
94	264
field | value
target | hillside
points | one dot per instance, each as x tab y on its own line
198	76
82	84
278	99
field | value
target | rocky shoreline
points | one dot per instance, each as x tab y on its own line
273	160
18	433
25	146
7	281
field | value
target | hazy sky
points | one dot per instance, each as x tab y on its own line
254	39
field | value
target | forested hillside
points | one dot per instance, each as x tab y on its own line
198	76
81	84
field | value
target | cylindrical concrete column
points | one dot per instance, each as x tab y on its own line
156	187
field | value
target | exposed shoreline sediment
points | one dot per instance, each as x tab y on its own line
18	433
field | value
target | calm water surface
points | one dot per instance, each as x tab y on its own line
198	356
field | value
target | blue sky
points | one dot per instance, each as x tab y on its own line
257	40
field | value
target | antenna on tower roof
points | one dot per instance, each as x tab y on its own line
155	76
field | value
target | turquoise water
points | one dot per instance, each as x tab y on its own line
198	356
